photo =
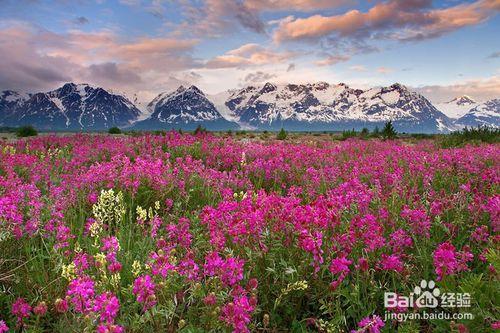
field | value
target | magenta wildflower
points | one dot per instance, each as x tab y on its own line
3	327
419	222
445	260
237	314
391	263
61	305
21	309
107	305
144	291
40	309
81	292
110	328
339	266
210	299
370	325
229	270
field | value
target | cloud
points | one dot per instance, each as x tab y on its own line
81	20
331	60
249	55
38	59
258	77
384	70
290	68
295	5
394	19
481	89
110	73
215	17
494	55
358	68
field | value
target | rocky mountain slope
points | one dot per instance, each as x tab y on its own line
485	114
306	107
184	108
71	107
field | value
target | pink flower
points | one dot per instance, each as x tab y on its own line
252	284
210	299
61	305
238	313
81	292
362	264
144	291
21	309
40	309
420	223
107	305
391	263
3	327
400	240
229	270
110	328
481	234
445	260
370	325
340	265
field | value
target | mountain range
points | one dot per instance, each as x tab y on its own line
308	107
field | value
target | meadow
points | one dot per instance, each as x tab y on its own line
175	232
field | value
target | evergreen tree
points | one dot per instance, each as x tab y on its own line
282	134
389	132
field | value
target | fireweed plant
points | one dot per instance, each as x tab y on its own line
201	233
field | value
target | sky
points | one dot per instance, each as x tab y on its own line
442	49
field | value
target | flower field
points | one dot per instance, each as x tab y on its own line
198	233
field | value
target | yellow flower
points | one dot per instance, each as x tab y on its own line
68	271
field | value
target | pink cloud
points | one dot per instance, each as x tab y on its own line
404	19
249	55
480	89
35	58
331	60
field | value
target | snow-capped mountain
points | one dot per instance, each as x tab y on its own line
72	107
310	107
184	108
321	106
457	107
9	101
485	114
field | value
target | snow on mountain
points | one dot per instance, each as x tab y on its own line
9	101
312	106
485	114
184	108
457	107
72	107
323	106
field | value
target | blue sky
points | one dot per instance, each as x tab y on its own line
440	48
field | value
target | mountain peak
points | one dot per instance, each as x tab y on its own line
267	88
399	86
463	100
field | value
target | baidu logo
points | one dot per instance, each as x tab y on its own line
426	295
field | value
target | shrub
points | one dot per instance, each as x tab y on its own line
471	135
282	134
114	130
26	131
347	134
